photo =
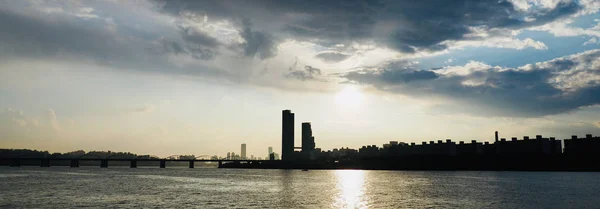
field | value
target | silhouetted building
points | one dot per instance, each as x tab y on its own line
496	136
474	148
287	135
269	152
369	151
528	147
582	146
308	141
272	156
243	151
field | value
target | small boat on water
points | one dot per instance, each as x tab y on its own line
304	169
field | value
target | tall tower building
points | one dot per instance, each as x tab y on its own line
270	150
243	151
308	141
496	136
287	135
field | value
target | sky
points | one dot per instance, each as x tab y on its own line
202	77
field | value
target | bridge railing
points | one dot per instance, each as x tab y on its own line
133	163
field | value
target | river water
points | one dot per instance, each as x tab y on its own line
64	187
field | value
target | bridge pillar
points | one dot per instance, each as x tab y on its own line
104	164
133	164
45	163
220	163
74	163
15	163
191	164
163	163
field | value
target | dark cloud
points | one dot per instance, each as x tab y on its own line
194	43
308	73
60	36
390	76
332	56
194	50
32	36
193	36
392	73
172	47
257	43
546	88
254	29
406	25
427	24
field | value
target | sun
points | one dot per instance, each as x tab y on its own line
349	97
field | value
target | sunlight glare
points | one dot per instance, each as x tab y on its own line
349	97
351	191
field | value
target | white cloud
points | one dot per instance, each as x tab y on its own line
591	41
522	5
35	122
53	120
147	108
20	122
496	38
85	13
16	125
502	42
564	28
591	6
551	87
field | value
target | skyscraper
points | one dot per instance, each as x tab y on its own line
272	156
243	151
270	150
287	135
308	141
496	136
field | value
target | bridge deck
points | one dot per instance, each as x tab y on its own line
139	160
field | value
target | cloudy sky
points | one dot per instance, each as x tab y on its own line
202	77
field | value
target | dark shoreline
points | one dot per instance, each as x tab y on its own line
548	163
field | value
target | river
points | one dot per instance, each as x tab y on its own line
64	187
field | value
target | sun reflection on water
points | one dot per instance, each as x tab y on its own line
350	189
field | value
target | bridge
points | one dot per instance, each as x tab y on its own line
74	162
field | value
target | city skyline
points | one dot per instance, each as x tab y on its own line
307	143
202	77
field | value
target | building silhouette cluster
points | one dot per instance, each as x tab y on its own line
514	147
308	149
244	156
538	153
588	146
